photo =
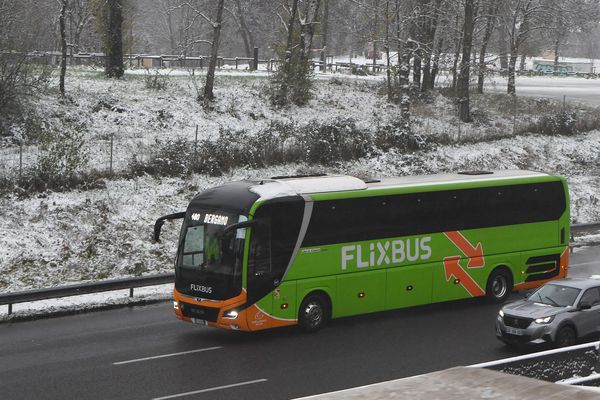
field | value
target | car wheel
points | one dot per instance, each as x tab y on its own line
314	313
498	286
565	337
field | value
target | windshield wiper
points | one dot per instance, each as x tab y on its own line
554	303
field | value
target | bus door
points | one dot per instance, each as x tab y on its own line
260	275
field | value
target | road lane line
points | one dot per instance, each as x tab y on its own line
173	396
167	355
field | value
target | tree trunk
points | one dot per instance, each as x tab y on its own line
489	28
307	28
247	36
114	52
556	55
287	62
510	89
325	26
502	40
171	34
465	65
386	47
63	45
456	55
214	52
435	65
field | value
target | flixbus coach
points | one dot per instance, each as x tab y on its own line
301	250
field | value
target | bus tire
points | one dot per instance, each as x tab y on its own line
314	313
499	286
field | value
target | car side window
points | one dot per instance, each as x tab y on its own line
591	296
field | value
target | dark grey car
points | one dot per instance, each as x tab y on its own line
559	312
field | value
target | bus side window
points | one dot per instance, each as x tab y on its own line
259	260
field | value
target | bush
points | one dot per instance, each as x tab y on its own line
170	158
397	135
339	140
562	123
155	80
19	79
62	160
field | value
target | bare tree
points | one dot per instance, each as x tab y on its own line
465	64
490	24
245	32
63	44
214	51
78	14
522	18
114	67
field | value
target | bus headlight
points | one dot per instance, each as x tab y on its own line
545	320
230	314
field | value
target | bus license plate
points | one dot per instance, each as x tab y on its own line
199	321
514	331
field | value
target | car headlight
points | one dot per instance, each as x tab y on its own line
230	314
501	313
545	320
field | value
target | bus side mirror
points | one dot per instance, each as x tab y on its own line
159	223
233	227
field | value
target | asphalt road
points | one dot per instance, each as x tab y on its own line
586	91
145	353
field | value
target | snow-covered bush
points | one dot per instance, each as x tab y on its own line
168	158
562	123
396	135
331	142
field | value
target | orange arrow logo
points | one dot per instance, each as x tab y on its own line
452	268
474	253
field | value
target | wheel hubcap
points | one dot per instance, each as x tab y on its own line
499	286
313	313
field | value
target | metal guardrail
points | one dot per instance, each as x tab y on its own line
574	365
84	288
580	228
150	280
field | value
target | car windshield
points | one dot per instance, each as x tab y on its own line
555	295
209	261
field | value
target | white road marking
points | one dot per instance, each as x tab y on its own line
167	355
210	389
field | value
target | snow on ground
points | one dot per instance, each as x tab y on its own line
54	239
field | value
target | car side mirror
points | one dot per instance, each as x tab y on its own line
585	306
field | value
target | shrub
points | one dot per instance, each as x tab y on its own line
339	140
62	159
397	135
155	80
562	123
170	158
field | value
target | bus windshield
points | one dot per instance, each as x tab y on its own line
209	260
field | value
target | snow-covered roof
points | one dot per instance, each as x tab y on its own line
307	185
292	186
418	180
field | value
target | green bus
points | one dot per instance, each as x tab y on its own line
302	250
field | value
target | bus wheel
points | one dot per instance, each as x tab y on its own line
314	313
499	286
